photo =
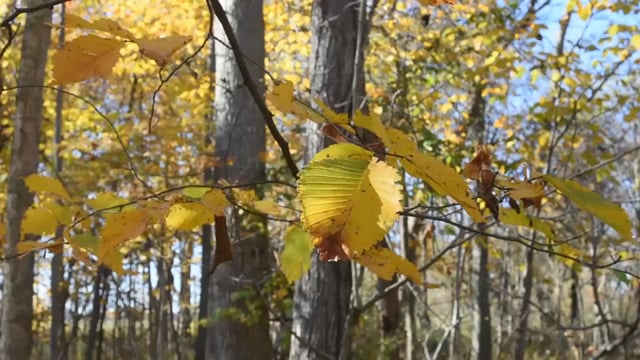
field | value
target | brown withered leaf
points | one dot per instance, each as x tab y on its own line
331	131
492	204
223	243
330	248
481	161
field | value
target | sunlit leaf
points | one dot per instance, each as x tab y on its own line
267	207
436	2
119	228
188	216
353	201
38	183
215	201
195	192
442	179
26	246
512	217
39	221
106	25
85	57
295	259
385	263
587	200
85	241
161	49
106	201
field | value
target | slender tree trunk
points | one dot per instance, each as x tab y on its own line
454	342
207	230
17	295
96	310
185	290
104	302
482	342
58	287
240	140
161	341
321	299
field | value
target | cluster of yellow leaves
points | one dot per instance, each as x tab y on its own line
350	198
91	55
70	224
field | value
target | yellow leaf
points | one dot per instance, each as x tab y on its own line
39	183
436	2
295	259
512	217
113	260
25	247
342	151
156	210
384	263
281	96
244	197
107	201
188	216
522	189
442	179
3	233
283	99
635	41
85	57
39	221
584	11
63	214
85	241
119	228
106	25
330	115
160	50
354	200
215	201
587	200
195	192
372	123
267	207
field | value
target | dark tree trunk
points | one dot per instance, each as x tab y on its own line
321	300
17	296
240	140
207	232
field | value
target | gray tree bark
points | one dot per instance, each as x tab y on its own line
59	292
239	141
482	340
17	295
321	299
200	344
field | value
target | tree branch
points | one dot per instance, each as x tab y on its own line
19	11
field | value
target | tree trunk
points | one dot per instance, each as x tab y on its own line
207	232
185	289
99	294
58	288
17	295
482	341
240	140
321	299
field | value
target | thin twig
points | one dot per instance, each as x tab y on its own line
105	118
19	11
